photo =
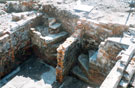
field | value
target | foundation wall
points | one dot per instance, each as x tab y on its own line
15	45
94	32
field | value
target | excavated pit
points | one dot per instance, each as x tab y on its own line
49	44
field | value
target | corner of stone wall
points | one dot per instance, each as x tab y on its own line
67	53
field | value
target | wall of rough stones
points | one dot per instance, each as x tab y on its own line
99	32
105	58
107	53
68	52
120	71
94	32
15	44
66	17
69	19
40	48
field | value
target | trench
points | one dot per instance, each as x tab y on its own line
52	48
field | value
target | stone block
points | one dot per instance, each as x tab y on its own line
55	28
16	17
72	82
95	69
79	73
55	38
52	48
112	78
84	64
51	21
128	74
93	58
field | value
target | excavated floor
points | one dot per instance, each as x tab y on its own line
34	73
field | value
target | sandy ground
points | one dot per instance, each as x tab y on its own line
106	11
100	11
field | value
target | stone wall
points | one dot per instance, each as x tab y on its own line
107	54
120	69
104	59
108	51
88	37
40	48
66	17
15	44
46	38
68	52
94	32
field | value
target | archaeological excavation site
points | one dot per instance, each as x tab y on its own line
67	43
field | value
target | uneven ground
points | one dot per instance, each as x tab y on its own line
104	11
34	73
